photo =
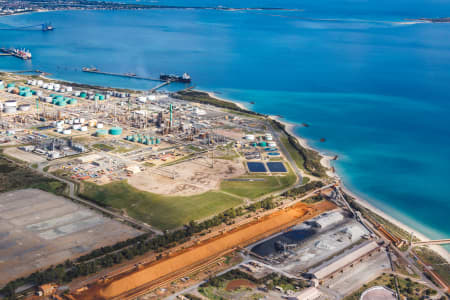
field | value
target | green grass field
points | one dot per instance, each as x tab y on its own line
164	212
255	189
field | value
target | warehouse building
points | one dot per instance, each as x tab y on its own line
341	262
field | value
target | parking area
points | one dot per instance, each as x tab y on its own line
39	229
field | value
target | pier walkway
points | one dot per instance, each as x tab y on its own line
123	75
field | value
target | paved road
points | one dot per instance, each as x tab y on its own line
73	195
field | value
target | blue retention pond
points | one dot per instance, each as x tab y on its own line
276	167
256	167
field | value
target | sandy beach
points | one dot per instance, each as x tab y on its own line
326	162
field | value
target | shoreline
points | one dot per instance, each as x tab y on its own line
326	162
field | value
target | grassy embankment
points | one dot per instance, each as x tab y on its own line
165	212
255	189
438	263
306	159
103	147
408	288
15	177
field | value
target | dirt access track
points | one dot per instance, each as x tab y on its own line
146	278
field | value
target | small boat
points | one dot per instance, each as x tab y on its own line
322	140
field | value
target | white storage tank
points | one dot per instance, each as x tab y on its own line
59	129
76	126
84	128
39	93
76	94
99	125
68	88
40	83
250	137
9	109
48	99
24	107
82	120
67	131
272	144
45	85
10	103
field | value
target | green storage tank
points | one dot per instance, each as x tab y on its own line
61	103
12	84
28	94
33	92
101	97
83	95
158	141
101	132
73	101
254	144
22	93
115	131
262	144
96	98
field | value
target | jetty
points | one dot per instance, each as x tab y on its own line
97	71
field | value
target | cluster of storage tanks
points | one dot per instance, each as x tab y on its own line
112	131
58	100
23	91
76	124
143	139
10	106
154	97
50	86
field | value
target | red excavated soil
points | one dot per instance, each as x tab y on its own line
126	286
239	283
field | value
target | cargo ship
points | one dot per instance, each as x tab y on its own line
19	53
169	77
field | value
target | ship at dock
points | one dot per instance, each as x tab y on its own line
170	77
19	53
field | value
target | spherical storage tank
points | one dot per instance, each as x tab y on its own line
115	131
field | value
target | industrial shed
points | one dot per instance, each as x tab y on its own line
326	270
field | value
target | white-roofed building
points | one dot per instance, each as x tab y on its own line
337	264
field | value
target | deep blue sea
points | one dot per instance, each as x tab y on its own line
373	84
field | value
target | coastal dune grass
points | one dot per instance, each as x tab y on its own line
161	211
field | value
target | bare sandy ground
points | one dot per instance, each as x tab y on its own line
24	156
191	177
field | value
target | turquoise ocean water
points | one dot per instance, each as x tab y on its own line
374	85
